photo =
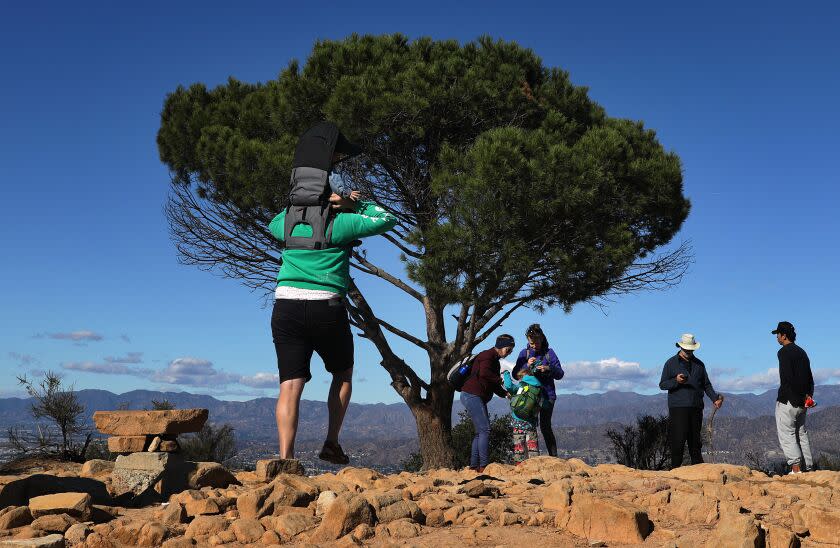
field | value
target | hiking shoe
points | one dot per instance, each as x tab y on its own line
795	469
332	452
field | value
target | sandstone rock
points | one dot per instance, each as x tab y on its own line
434	518
289	525
823	523
50	541
98	540
290	490
360	477
610	520
736	531
558	496
247	530
172	514
211	474
720	473
77	534
128	444
402	509
203	507
363	532
346	513
76	505
152	534
399	529
179	542
204	526
325	500
96	467
54	523
380	499
478	488
154	445
127	532
140	423
779	537
15	516
138	472
269	538
169	446
693	508
251	504
267	469
453	513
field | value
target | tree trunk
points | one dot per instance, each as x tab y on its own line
434	428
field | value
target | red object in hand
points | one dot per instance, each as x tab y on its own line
809	402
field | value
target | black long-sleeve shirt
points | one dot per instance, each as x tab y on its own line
796	380
690	393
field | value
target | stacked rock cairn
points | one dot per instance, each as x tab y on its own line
149	460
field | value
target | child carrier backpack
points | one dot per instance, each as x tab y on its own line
310	190
460	372
526	402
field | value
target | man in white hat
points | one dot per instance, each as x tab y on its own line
684	377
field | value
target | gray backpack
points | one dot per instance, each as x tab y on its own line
310	189
309	205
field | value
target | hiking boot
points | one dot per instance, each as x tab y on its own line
795	469
480	469
332	452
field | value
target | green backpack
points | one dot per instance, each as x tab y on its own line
526	402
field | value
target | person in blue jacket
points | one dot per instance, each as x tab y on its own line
546	366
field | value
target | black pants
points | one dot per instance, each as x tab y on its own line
545	428
686	424
300	328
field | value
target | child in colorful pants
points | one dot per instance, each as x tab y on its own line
526	399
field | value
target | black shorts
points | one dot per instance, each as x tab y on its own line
301	327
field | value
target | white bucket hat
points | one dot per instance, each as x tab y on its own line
688	342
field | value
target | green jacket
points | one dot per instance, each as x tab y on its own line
329	269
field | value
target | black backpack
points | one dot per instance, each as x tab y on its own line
460	372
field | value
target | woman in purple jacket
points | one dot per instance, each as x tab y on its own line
547	370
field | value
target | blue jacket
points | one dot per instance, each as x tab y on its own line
547	357
689	394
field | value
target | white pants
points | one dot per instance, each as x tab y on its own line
793	437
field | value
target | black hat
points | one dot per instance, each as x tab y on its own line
504	341
785	328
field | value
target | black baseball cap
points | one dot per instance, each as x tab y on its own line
785	328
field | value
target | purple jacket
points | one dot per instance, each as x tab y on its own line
549	358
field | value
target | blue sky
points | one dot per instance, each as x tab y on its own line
90	284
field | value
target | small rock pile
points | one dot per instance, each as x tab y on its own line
146	442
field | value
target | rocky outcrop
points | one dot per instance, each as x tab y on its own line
150	423
543	502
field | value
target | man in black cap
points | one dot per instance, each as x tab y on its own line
795	389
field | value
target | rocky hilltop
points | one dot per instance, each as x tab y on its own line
151	496
544	502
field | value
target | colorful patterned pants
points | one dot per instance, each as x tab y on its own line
526	442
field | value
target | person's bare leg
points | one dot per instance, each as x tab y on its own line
288	404
340	391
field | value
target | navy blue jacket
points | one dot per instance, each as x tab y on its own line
689	394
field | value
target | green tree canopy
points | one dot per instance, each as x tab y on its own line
512	189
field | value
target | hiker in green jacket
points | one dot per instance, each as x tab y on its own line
318	229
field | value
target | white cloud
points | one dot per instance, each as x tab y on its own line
191	371
131	357
261	380
108	368
23	360
607	374
765	380
82	335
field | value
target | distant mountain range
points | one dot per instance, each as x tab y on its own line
254	419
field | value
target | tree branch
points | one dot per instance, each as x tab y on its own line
371	268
